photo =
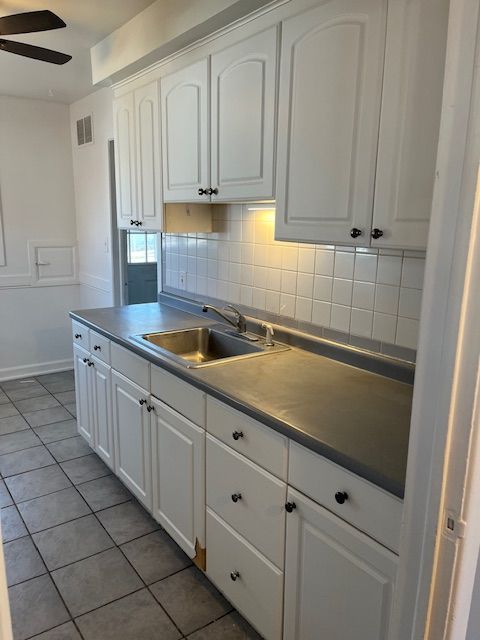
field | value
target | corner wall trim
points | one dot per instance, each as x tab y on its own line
36	369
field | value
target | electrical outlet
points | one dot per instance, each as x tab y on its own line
182	280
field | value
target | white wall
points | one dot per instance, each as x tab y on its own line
92	199
36	184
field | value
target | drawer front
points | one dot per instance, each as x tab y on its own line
257	592
132	366
248	498
179	395
261	444
80	335
367	507
100	347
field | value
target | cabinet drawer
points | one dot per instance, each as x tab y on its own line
367	507
131	365
80	335
179	395
247	436
257	592
100	347
257	508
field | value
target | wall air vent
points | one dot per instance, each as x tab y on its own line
84	131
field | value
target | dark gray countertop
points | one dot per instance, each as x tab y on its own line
355	418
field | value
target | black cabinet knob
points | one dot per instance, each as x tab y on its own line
236	497
211	191
139	223
97	347
150	408
376	233
234	575
236	435
132	222
290	506
85	360
341	497
90	363
142	401
78	335
202	192
355	232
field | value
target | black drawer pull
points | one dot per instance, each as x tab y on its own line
97	347
236	435
236	497
290	506
142	402
234	575
78	335
341	497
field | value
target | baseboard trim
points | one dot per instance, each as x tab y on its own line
37	369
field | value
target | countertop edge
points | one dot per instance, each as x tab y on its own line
269	420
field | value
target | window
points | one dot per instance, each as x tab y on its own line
141	247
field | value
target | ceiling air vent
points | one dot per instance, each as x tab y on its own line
84	131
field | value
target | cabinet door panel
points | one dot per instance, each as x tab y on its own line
150	210
185	131
338	582
131	429
243	118
102	411
410	121
330	90
178	448
83	394
124	126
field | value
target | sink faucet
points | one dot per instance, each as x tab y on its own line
239	323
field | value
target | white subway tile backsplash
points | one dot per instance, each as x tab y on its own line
365	292
386	299
342	291
324	261
407	333
412	273
322	288
361	323
340	318
344	263
366	267
389	270
363	295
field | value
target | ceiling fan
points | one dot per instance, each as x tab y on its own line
30	22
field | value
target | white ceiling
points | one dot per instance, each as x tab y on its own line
88	22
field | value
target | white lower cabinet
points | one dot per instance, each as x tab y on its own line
81	359
131	421
178	466
101	394
250	581
338	582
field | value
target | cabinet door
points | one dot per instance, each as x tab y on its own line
83	394
243	117
410	121
338	582
102	410
330	90
124	131
178	454
149	182
185	148
131	433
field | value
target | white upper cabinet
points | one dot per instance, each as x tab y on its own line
185	148
149	174
243	101
330	92
137	158
338	582
410	121
124	125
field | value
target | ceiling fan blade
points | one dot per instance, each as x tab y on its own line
30	22
37	53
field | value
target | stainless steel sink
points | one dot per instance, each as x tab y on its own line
204	346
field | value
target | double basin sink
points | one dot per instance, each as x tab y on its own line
205	346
